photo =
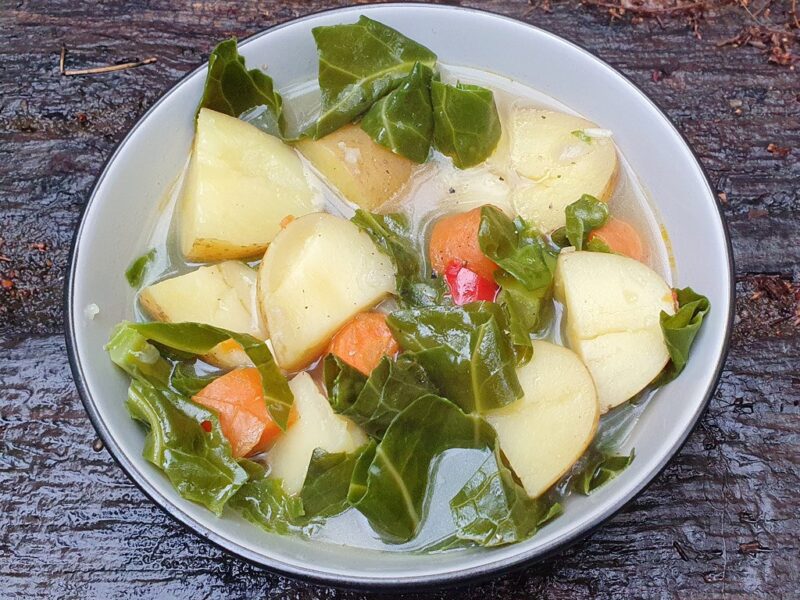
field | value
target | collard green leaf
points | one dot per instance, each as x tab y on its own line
343	382
466	125
358	481
464	351
402	121
525	277
138	269
493	510
516	248
263	501
584	215
393	235
358	64
600	469
390	388
197	339
130	350
526	312
398	478
186	380
681	329
598	245
233	90
327	482
197	462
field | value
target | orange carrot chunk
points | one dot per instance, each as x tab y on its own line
455	237
620	237
238	400
364	341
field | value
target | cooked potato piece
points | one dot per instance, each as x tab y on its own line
564	157
543	433
364	172
241	183
222	295
612	306
317	426
318	274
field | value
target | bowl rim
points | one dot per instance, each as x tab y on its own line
320	576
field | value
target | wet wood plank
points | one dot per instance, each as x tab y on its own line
720	521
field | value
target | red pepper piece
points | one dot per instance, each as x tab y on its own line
467	286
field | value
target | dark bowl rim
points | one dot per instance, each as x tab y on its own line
461	577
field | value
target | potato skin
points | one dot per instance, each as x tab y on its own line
364	172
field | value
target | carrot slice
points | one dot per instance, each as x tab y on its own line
238	400
364	341
455	237
620	237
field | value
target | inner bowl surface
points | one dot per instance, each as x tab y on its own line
124	204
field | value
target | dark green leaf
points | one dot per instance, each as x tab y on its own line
430	292
600	469
187	381
391	387
398	477
559	238
393	235
464	351
197	462
358	481
526	310
343	382
358	64
131	351
516	248
526	272
584	215
681	329
403	120
136	272
466	125
262	501
233	90
198	339
327	482
493	510
598	245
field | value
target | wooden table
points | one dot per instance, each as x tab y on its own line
721	521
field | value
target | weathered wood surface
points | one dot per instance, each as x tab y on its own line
721	521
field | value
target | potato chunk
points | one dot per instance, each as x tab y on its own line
318	274
241	183
317	426
563	161
547	430
612	306
364	172
222	295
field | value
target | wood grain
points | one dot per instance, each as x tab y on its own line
721	521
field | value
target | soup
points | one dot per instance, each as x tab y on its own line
409	306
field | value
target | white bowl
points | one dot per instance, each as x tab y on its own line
123	205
